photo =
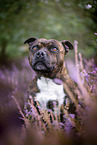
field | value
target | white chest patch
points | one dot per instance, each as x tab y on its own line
49	91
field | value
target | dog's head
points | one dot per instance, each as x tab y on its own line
47	56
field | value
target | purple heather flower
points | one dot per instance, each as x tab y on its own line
94	71
26	111
29	103
86	79
29	113
91	72
30	97
96	68
32	109
72	115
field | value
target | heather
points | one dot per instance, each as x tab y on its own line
76	130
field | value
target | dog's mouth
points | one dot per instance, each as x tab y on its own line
42	66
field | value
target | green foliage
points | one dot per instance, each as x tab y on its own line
56	19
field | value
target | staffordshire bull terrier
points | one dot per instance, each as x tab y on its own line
46	58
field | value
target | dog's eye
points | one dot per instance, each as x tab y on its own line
54	49
34	48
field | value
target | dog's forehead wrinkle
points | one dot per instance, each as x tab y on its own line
51	42
45	41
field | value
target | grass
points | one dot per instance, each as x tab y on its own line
79	128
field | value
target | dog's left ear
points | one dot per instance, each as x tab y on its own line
67	45
30	40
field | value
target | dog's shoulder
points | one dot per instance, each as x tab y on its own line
33	88
67	80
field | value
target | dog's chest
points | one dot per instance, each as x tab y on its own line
49	91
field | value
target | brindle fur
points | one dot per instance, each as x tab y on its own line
59	70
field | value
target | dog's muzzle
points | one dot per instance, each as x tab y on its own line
41	62
40	54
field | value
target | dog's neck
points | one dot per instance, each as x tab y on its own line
60	77
61	74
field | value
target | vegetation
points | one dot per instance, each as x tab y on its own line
58	19
81	130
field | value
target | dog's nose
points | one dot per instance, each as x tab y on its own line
40	54
52	104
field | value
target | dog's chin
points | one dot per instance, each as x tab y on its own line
40	66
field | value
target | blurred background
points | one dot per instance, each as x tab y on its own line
57	19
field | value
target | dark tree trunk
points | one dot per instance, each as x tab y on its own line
3	47
3	55
95	58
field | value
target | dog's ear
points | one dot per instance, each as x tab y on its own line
30	40
67	45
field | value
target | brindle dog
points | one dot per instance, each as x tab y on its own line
46	58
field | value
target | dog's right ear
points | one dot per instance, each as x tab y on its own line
67	45
30	40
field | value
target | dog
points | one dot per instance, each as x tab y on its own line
46	58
